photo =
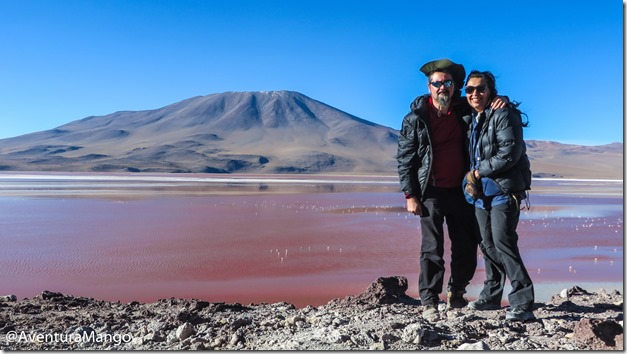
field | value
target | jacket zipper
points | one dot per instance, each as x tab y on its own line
423	187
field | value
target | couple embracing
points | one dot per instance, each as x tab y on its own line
462	160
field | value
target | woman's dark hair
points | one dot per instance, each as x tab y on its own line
490	81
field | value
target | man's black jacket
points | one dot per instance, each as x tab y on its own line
415	150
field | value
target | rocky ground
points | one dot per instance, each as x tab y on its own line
382	317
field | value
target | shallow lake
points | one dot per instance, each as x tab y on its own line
300	239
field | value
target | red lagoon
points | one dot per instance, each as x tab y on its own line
264	240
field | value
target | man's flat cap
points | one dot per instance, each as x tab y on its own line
456	70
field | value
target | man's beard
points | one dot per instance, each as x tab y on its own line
444	100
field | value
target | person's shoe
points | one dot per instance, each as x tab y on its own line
483	305
456	300
519	314
430	311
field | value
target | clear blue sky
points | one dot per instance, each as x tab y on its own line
66	60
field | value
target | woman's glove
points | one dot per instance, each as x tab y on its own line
473	185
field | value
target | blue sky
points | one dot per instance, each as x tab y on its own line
66	60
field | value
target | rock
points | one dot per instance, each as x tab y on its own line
474	346
564	294
199	305
378	346
576	290
338	337
184	331
240	322
385	290
84	330
197	346
235	338
218	342
154	337
7	298
413	333
294	320
599	334
49	295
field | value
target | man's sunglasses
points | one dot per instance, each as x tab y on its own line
480	89
438	84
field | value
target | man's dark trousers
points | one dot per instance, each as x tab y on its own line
446	205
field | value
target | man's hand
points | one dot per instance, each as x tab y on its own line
413	206
499	102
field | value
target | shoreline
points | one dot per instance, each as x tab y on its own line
543	291
77	184
241	178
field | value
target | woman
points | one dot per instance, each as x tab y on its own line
496	185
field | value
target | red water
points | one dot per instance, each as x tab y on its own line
305	249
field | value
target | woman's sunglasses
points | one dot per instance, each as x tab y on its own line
471	89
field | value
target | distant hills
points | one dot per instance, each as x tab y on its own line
252	132
552	159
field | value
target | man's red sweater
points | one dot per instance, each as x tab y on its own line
447	167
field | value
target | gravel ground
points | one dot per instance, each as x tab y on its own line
383	317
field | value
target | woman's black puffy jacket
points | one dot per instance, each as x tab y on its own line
503	154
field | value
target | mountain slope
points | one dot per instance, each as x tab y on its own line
270	132
552	159
254	132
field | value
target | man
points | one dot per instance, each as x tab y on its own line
432	160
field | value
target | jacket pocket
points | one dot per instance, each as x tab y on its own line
490	187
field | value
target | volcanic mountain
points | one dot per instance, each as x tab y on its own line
256	132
